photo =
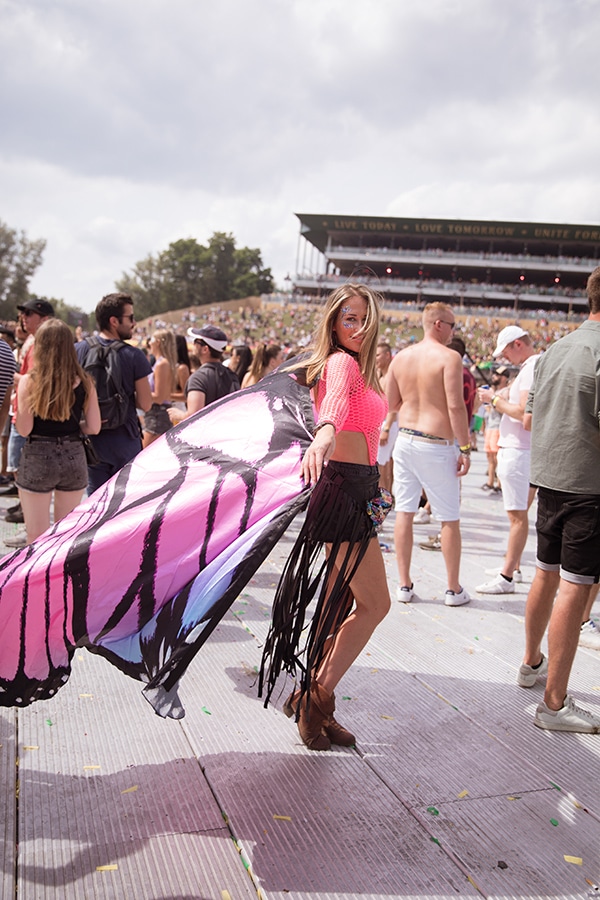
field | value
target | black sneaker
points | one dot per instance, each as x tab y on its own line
15	516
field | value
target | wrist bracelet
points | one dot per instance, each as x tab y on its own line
385	429
494	401
465	450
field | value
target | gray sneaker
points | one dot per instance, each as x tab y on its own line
528	675
17	541
570	718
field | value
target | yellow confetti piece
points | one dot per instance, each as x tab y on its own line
112	868
463	794
391	718
130	790
596	687
513	798
440	640
82	696
576	860
374	671
283	818
31	747
225	895
91	767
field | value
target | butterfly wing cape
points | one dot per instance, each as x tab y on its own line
143	570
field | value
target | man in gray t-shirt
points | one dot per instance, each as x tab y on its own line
563	411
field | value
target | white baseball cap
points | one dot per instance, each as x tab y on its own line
506	337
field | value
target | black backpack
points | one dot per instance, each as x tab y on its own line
102	363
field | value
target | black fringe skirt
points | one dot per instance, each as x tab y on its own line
337	517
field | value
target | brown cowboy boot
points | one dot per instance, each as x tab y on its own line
312	720
336	733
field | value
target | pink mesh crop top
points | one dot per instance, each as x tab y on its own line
344	400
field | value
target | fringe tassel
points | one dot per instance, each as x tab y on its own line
334	517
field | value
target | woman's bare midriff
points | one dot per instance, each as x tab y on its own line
351	447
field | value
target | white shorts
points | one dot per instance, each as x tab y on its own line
432	467
384	454
513	472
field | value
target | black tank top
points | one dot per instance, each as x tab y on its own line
50	428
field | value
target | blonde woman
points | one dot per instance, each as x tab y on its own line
266	359
162	384
341	463
57	402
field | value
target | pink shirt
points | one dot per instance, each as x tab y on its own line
344	400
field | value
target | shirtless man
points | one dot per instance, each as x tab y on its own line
389	427
425	384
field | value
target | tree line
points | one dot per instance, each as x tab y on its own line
185	274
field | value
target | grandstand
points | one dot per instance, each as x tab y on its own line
522	266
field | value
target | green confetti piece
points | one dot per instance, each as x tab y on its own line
207	711
476	638
346	698
555	786
435	841
553	822
49	722
433	811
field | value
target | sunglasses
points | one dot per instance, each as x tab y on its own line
131	318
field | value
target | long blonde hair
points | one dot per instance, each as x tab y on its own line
55	371
324	344
168	348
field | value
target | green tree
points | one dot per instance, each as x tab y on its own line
189	274
19	259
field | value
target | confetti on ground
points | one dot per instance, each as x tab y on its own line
283	818
207	711
553	822
346	698
435	841
576	860
463	794
513	798
555	786
225	895
31	747
90	696
49	722
111	868
433	811
387	717
91	767
130	790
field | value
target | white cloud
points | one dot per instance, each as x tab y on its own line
128	125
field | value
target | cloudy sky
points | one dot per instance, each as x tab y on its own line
127	124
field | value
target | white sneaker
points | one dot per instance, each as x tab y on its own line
497	585
589	635
422	517
570	718
528	675
405	594
17	541
453	599
517	574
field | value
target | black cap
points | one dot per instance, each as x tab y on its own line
42	307
211	335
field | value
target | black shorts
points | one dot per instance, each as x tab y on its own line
568	535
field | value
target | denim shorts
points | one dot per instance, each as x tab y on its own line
52	465
156	420
568	535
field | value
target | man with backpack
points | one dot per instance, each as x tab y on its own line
120	373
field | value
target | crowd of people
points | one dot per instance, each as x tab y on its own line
397	400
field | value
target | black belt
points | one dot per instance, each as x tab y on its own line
59	439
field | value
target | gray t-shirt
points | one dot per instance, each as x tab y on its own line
565	402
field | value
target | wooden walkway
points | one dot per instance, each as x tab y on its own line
451	791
